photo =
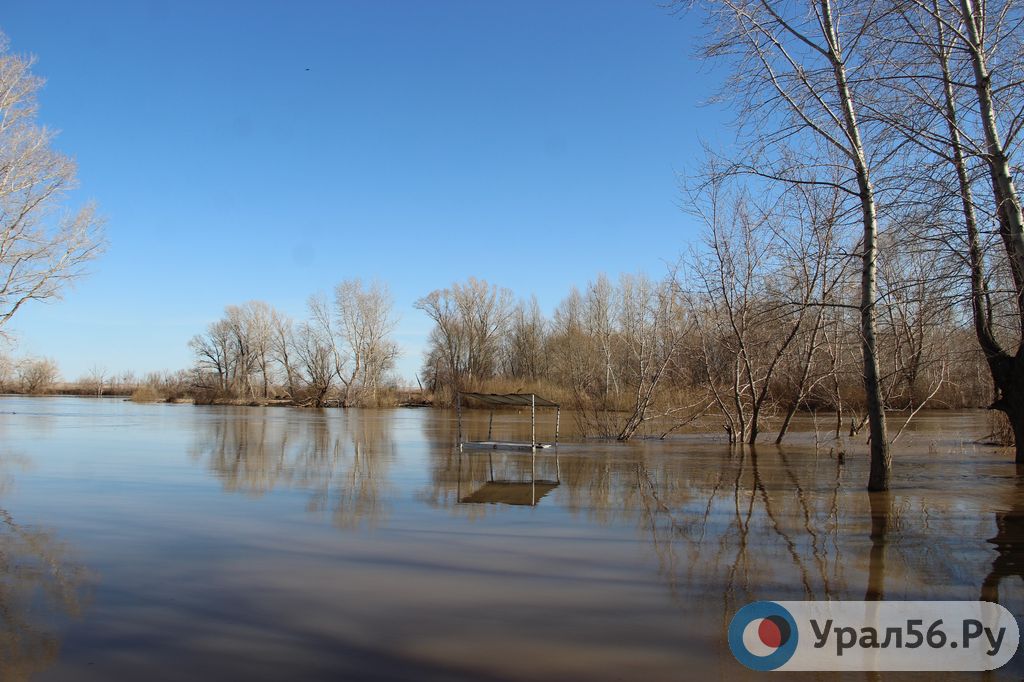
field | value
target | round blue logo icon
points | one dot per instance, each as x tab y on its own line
762	635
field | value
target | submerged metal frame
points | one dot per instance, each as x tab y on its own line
496	399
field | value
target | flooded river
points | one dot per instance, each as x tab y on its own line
176	542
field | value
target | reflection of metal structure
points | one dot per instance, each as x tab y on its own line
505	490
494	400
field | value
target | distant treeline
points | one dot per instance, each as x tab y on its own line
750	327
342	354
41	376
716	336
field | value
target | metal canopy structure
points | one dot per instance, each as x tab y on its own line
510	399
531	400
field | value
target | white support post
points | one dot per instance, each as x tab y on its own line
458	482
533	421
458	413
533	478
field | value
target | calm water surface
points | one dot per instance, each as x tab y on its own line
173	542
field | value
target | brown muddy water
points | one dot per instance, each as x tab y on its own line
175	542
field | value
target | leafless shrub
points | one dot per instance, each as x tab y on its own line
37	375
1000	431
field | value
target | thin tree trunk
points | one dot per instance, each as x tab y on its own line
802	384
881	458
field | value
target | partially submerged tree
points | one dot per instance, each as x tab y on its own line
654	327
954	69
759	289
618	349
795	80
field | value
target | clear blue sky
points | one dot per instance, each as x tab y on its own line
258	150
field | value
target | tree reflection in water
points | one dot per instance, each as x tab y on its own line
747	523
734	533
340	457
726	526
1009	543
881	517
793	532
39	585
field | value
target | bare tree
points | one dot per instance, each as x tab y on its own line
470	321
8	371
43	244
812	273
525	356
791	77
282	341
365	322
97	378
653	330
37	375
746	324
214	356
915	322
954	66
576	362
237	353
316	362
583	342
617	349
125	382
253	348
241	347
259	323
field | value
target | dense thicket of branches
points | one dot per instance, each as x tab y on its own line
911	112
758	323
